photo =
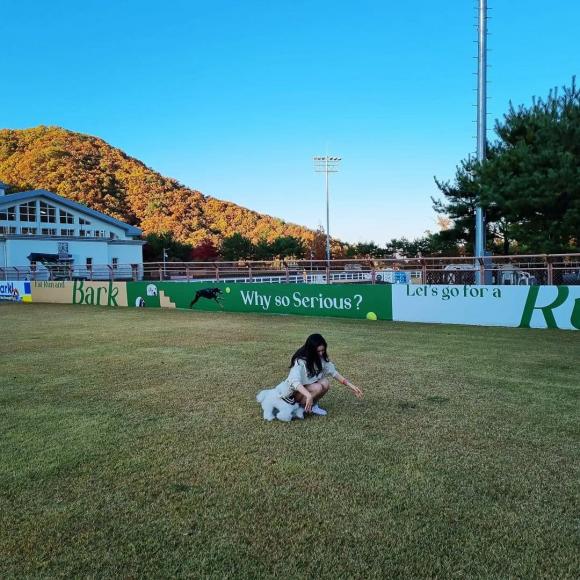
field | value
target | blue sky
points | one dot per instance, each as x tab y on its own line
234	98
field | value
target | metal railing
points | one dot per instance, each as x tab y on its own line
557	269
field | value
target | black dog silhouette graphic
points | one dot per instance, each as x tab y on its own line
209	293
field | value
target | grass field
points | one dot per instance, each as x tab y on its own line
132	445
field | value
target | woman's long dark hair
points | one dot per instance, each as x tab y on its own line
309	354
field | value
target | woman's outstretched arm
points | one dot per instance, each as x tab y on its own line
355	390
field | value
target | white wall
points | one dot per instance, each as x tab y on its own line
126	253
20	248
100	250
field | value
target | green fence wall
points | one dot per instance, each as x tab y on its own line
523	306
346	301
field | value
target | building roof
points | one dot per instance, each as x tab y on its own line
11	198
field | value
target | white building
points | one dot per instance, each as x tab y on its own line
49	234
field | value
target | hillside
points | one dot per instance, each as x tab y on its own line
90	171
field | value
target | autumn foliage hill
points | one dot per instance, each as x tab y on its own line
88	170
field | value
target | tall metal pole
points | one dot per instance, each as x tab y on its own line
481	123
327	165
327	214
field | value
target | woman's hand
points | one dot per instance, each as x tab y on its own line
308	399
355	390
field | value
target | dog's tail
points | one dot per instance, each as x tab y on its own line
261	396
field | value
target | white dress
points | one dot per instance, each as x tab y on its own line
299	376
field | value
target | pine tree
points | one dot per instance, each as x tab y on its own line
529	184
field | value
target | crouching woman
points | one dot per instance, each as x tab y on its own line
308	380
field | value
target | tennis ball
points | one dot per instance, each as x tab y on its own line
228	290
371	316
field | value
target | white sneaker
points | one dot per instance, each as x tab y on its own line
316	410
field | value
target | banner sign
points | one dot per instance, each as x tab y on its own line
523	306
101	293
15	291
338	300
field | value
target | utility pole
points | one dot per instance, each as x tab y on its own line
327	165
481	125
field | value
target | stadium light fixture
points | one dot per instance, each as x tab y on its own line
326	165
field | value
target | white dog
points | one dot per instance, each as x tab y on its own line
271	401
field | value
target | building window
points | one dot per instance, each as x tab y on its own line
84	222
112	235
4	230
85	233
47	213
115	263
66	217
8	214
67	232
28	231
28	212
48	231
100	234
89	263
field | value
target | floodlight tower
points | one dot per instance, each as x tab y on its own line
327	165
481	122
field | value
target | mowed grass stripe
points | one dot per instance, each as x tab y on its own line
131	444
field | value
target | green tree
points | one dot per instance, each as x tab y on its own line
263	250
288	247
437	244
535	176
365	250
157	243
237	247
460	198
529	183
